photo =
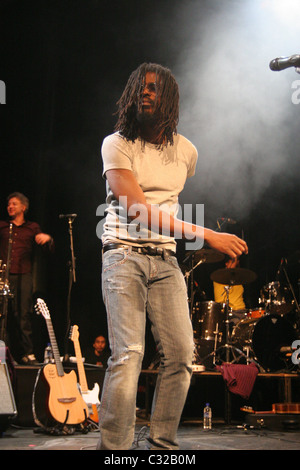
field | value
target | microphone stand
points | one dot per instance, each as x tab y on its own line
72	280
187	277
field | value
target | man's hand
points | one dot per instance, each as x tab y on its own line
227	243
42	238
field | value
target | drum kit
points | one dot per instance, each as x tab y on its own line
263	335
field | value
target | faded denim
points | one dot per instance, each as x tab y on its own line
132	284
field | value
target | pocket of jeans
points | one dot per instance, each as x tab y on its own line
113	258
173	261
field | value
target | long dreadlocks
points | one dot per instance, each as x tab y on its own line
166	106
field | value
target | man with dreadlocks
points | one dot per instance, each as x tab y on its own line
146	163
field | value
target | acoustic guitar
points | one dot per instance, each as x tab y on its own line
91	397
65	402
277	408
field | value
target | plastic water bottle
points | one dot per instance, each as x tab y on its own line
207	415
48	355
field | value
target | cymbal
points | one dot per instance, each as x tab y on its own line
233	276
207	255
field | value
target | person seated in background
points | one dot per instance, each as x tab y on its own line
99	353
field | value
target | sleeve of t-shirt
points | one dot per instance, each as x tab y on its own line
115	154
193	161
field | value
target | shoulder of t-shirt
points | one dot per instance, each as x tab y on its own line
185	141
115	138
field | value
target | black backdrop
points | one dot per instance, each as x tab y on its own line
64	64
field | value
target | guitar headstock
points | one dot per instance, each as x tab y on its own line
74	333
42	309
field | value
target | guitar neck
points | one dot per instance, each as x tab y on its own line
80	367
55	349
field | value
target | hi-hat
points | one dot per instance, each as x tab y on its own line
207	255
233	276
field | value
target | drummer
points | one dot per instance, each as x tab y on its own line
235	295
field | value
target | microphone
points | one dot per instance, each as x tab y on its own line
282	63
67	216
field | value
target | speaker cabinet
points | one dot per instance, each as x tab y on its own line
8	409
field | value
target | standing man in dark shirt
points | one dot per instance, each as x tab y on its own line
24	235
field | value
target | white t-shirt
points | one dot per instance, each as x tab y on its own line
161	175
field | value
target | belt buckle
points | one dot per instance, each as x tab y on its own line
151	250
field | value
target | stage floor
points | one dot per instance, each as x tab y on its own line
191	438
243	432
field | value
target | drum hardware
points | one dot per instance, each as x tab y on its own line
195	259
208	326
275	298
4	282
228	345
281	300
268	338
207	320
291	289
286	351
230	349
218	335
256	312
5	288
230	277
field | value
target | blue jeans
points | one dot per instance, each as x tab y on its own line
132	284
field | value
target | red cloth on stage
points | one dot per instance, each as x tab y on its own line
239	378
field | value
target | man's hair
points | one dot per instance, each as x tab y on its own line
24	200
166	106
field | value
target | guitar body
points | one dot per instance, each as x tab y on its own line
91	398
65	402
289	408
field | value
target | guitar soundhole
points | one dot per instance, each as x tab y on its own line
66	400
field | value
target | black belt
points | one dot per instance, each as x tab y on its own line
145	250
